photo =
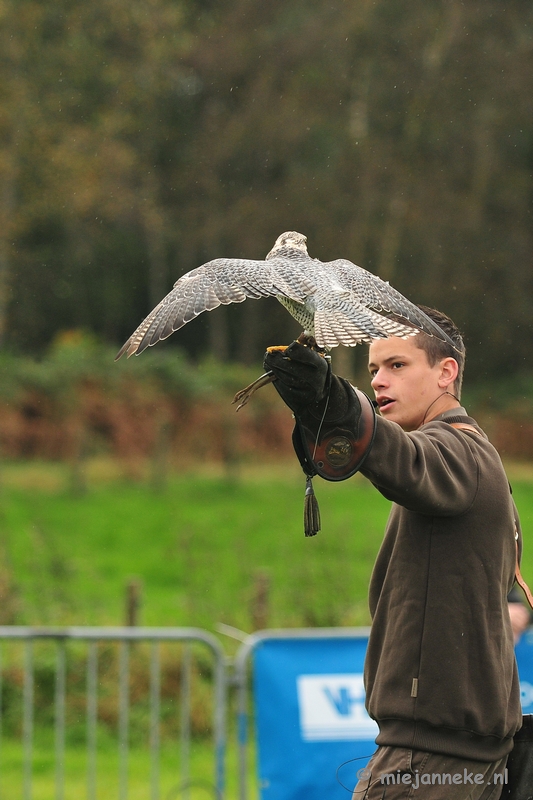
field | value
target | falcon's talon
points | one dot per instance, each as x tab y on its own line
275	347
244	394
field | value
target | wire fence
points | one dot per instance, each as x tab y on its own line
120	685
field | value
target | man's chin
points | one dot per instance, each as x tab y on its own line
393	414
388	410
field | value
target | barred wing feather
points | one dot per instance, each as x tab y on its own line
380	297
338	302
340	318
219	282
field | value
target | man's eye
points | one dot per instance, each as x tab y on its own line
397	365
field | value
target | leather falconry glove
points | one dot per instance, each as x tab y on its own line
335	423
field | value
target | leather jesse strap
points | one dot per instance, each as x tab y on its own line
465	426
519	579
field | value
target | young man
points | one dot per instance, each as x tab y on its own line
440	672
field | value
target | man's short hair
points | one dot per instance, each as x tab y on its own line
435	349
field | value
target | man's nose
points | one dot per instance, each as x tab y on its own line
378	381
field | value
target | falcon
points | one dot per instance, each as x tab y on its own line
336	302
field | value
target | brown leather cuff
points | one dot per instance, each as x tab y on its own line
336	450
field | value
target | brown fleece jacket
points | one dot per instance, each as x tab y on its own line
440	670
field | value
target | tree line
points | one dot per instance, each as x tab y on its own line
140	139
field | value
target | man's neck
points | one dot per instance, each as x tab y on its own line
445	402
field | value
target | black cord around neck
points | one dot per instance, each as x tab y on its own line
435	400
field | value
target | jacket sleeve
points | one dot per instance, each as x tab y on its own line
433	471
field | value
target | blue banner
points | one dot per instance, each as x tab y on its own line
310	717
524	659
313	732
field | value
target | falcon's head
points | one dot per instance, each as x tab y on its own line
289	240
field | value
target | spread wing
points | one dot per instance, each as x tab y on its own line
368	302
219	282
341	319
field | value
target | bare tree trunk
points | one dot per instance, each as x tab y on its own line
154	231
391	238
4	290
249	352
6	213
484	160
342	362
219	334
219	340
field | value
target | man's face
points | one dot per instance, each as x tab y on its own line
404	383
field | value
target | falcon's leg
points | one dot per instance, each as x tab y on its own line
244	395
308	340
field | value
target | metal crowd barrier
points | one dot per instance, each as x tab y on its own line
126	637
242	684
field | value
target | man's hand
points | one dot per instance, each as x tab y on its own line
302	375
335	422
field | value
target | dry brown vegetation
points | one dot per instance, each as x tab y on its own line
75	403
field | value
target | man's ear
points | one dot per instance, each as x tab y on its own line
449	369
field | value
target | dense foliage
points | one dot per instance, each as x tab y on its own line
140	138
74	403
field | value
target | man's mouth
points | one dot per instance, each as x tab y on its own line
383	402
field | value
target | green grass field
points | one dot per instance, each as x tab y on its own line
197	546
172	787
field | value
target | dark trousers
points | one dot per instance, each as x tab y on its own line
395	773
